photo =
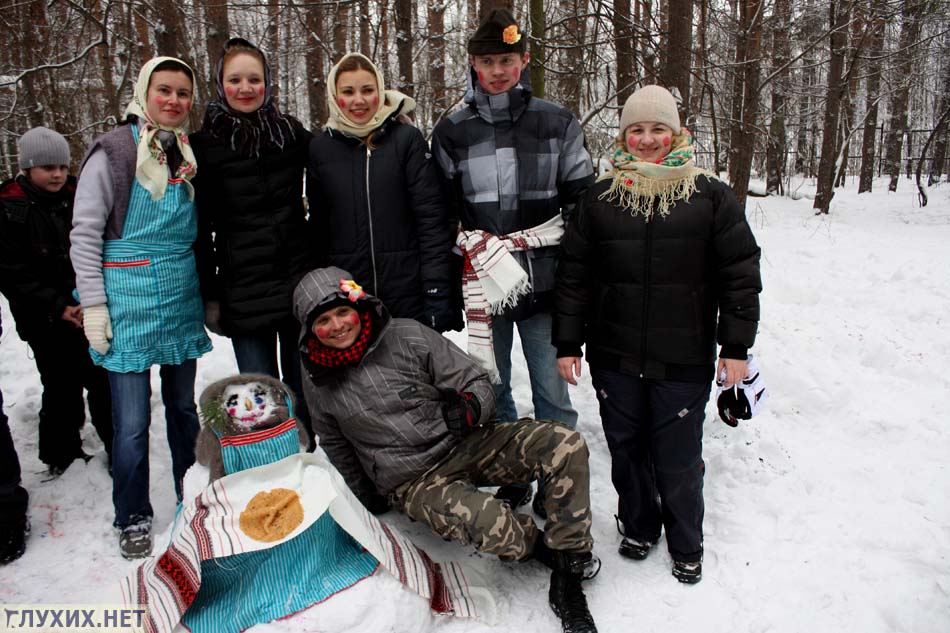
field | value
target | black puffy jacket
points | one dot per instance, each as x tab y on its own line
36	275
379	214
253	207
644	296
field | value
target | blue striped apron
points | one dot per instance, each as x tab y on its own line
240	591
151	283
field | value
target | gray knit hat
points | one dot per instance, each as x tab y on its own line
650	103
43	146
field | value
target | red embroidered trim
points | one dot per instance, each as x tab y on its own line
133	264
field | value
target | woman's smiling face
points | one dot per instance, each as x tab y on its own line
649	140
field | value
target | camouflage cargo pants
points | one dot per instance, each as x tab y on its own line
447	498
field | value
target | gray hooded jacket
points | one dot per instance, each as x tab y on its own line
380	422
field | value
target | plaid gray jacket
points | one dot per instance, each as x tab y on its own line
511	162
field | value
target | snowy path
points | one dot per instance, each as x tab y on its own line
830	512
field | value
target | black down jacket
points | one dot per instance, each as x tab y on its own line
379	214
644	296
253	208
36	275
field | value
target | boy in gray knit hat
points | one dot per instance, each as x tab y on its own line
38	280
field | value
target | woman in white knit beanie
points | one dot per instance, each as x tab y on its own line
658	266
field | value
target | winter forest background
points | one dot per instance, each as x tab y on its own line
822	89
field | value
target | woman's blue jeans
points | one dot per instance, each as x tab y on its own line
131	417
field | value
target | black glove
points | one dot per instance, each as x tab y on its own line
375	503
441	312
733	406
461	412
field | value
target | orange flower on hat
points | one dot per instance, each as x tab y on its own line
511	35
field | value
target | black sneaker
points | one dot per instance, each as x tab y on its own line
632	548
515	494
689	573
13	540
135	540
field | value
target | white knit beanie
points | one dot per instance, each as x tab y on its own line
650	103
42	146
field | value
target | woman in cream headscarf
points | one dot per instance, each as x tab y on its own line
658	266
375	200
134	228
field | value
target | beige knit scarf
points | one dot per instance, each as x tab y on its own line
647	188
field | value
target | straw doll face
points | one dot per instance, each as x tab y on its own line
357	95
250	405
168	100
243	81
649	140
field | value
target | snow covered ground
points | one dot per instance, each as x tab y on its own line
829	512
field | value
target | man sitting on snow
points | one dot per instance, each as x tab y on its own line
407	419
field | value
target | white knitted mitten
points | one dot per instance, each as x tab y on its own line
98	327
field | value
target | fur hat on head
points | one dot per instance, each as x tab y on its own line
650	103
498	33
43	146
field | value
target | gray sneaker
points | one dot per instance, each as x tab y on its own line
135	540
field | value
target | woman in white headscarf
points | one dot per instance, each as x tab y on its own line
134	229
375	199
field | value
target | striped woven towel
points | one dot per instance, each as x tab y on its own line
493	280
210	527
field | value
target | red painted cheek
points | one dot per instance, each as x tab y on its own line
516	73
353	319
323	332
375	101
341	103
666	142
260	91
229	91
481	77
631	141
232	412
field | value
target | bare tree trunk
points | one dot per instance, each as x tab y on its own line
272	37
485	6
623	41
340	20
678	53
777	142
645	20
403	10
315	63
940	130
742	141
217	35
853	77
437	58
144	47
537	50
365	47
838	41
897	109
875	27
575	28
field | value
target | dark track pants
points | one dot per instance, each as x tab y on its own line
654	431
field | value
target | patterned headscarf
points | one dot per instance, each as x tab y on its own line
151	163
247	133
637	183
392	102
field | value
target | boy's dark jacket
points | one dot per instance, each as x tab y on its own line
36	275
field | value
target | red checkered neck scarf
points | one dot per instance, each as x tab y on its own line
325	356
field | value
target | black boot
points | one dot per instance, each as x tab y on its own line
566	594
516	495
13	540
547	557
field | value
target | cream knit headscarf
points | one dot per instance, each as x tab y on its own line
392	102
151	164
